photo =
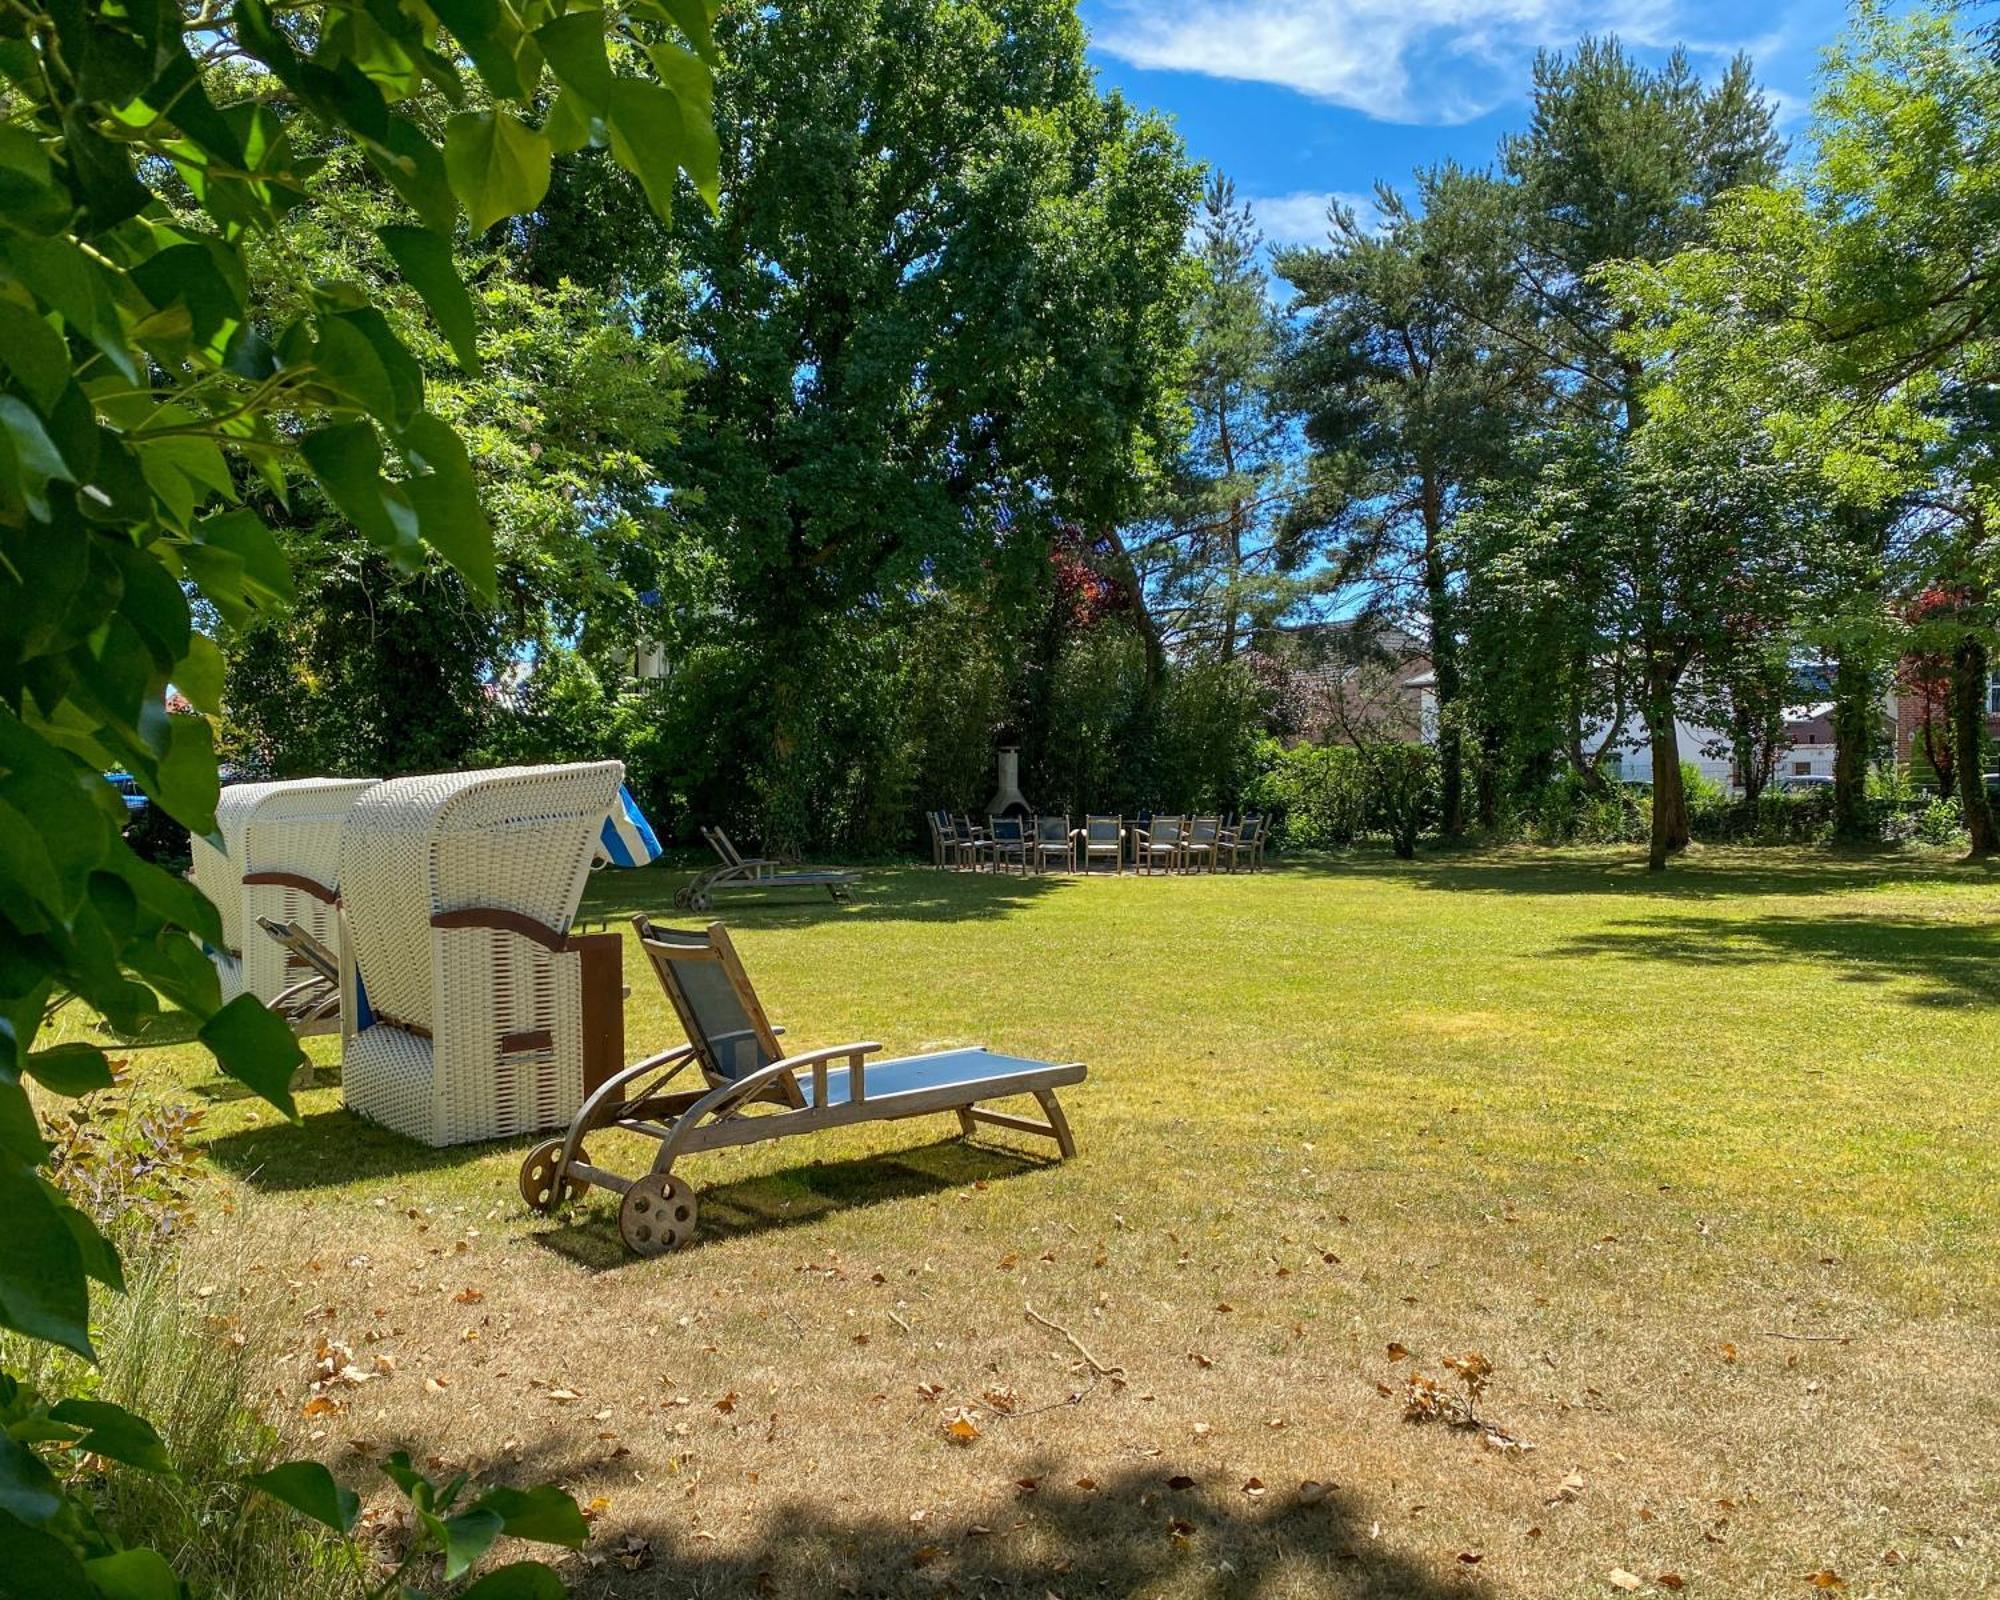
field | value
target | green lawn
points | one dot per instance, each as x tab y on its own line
1704	1166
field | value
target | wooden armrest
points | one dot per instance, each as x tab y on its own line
818	1059
293	880
507	922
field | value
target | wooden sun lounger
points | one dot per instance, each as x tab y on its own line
739	871
311	1004
753	1091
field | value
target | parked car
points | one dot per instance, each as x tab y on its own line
1803	783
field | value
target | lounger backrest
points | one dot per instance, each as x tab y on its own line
1203	830
1007	830
712	996
1052	830
1103	830
718	841
1166	830
1252	827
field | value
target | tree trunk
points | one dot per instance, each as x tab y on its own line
1232	588
1488	781
1853	744
1968	737
1445	684
1670	813
1126	571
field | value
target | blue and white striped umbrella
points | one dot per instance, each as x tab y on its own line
628	839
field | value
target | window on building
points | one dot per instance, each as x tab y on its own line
1802	769
1993	695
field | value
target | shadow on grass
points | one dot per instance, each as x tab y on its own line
326	1148
1703	876
793	1197
161	1031
1128	1533
1955	964
885	894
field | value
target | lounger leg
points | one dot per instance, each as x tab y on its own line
966	1126
1058	1123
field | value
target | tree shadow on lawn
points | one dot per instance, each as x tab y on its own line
789	1198
884	894
1129	1533
1731	876
1957	964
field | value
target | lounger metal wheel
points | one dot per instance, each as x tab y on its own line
539	1185
658	1214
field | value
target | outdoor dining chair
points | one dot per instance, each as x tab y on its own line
1198	848
1102	838
1158	848
1053	842
1006	842
750	1091
957	846
1242	845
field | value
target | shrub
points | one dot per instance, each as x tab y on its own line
1402	791
1316	795
1562	811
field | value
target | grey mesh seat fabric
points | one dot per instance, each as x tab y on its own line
943	1069
750	1090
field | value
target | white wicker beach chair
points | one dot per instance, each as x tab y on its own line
469	1010
280	859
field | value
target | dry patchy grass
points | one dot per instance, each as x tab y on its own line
1704	1167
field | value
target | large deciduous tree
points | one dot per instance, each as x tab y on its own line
1621	165
937	314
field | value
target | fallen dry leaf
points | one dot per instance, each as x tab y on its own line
960	1428
1180	1480
1254	1488
1826	1578
1398	1352
469	1296
1628	1581
1671	1580
1312	1491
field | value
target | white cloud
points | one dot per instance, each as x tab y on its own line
1300	217
1420	61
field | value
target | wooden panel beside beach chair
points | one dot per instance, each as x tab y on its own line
738	871
751	1090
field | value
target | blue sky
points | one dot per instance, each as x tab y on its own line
1301	99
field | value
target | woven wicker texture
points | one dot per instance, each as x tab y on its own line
293	828
219	873
517	839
